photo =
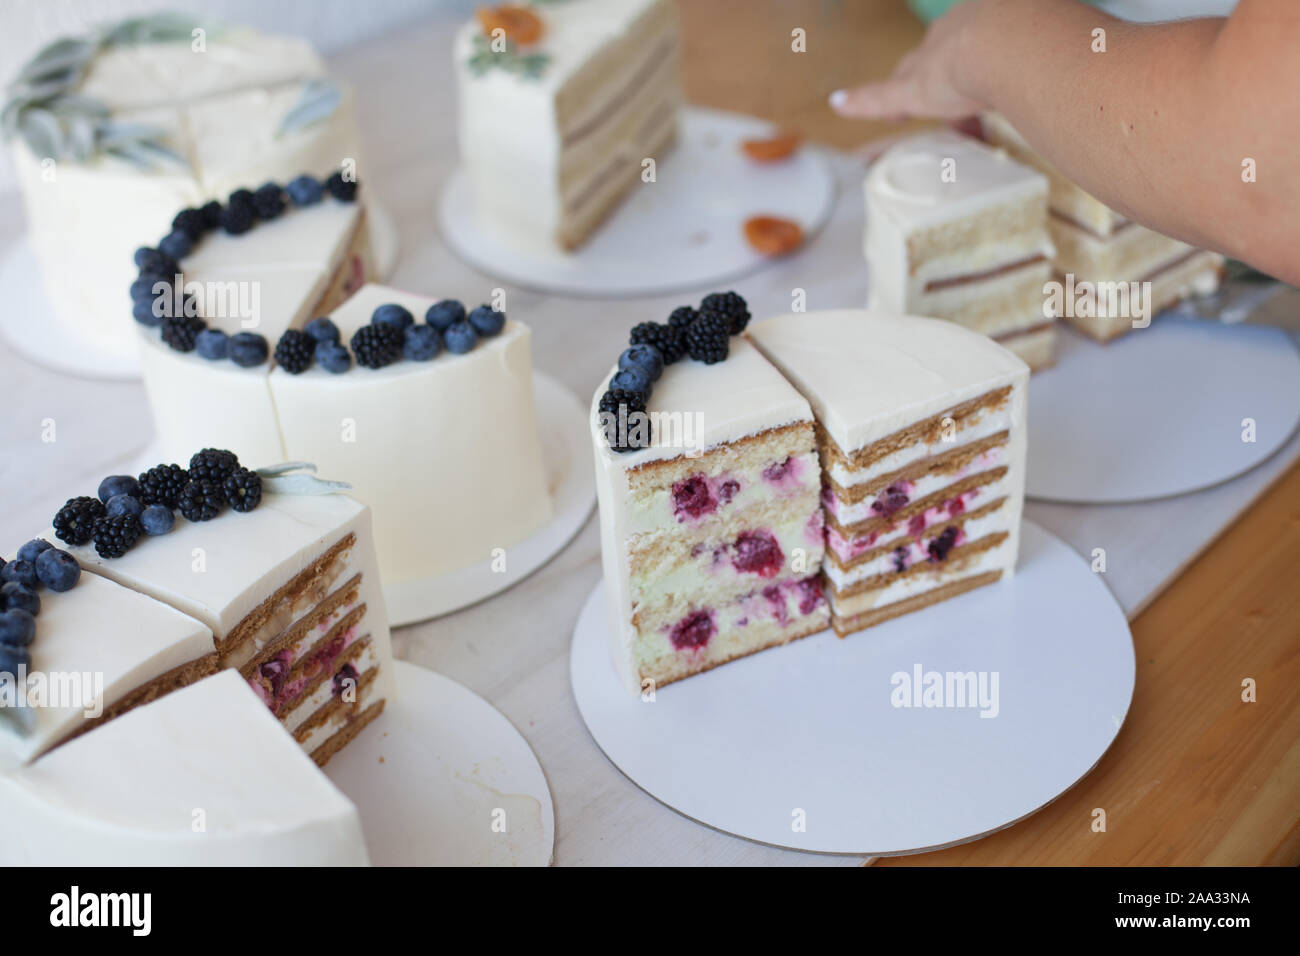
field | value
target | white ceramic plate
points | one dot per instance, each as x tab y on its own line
1159	411
441	778
683	231
806	734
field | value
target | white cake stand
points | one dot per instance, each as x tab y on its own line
441	778
31	326
1159	411
806	733
683	231
566	448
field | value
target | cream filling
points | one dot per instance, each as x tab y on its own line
957	302
323	732
914	550
290	656
318	698
850	514
989	422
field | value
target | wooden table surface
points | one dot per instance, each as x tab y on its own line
1197	775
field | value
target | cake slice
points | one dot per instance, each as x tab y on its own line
1095	244
557	117
712	535
921	435
958	231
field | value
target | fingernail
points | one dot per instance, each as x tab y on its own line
839	98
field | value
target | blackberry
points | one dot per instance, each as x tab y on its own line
377	344
241	197
162	484
75	521
201	500
614	397
155	262
735	308
211	213
237	220
182	331
117	535
940	546
344	190
213	464
192	222
269	201
620	405
682	316
669	340
243	490
707	338
294	351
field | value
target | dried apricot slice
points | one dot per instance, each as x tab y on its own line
772	236
770	150
519	24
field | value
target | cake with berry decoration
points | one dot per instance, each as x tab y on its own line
561	104
115	132
709	489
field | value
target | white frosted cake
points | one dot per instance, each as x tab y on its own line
958	231
152	116
1095	244
560	104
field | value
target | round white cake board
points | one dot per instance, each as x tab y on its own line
801	747
1160	411
566	449
31	326
683	231
441	778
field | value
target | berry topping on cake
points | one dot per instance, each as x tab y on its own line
74	523
305	190
940	546
31	551
268	201
181	331
176	244
443	315
632	380
157	519
212	344
390	313
322	329
124	505
156	262
890	500
211	213
682	316
460	338
145	289
616	408
345	679
19	572
237	219
333	357
487	321
20	596
212	464
708	338
692	498
116	535
645	357
421	343
757	552
377	345
670	341
17	629
344	190
115	485
162	484
191	222
731	305
248	349
201	500
143	312
293	352
243	490
57	570
693	631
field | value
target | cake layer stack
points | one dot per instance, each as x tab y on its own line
1095	244
958	231
554	129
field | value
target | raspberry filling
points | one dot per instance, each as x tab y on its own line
940	546
693	631
757	552
727	491
345	674
891	499
810	594
692	498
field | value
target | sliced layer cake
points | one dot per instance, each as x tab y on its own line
958	231
921	433
1095	244
560	105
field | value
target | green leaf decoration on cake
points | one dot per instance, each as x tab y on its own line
319	100
484	58
45	109
298	478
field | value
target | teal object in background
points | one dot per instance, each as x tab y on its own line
929	10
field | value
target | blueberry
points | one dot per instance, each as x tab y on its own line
212	344
58	570
333	357
305	190
157	519
487	321
645	357
15	595
322	329
142	290
115	485
144	314
390	313
248	349
632	380
443	315
19	572
32	549
124	505
176	244
12	657
144	257
460	338
421	344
